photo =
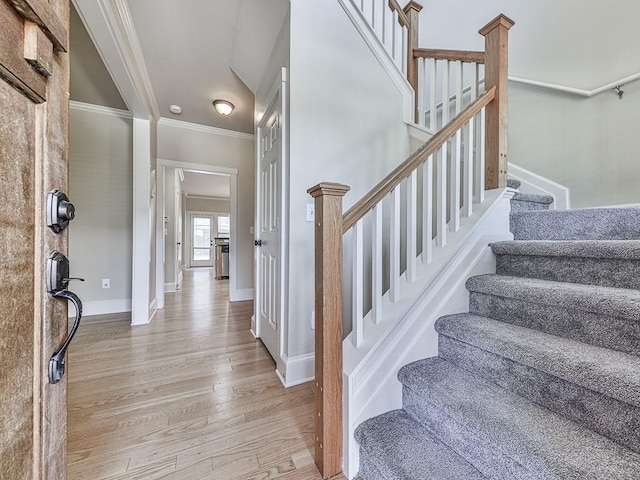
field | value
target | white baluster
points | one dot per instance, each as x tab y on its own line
474	81
459	86
387	37
468	168
422	120
427	210
433	113
379	8
367	11
454	187
394	246
358	282
445	92
412	225
481	156
405	46
441	197
376	265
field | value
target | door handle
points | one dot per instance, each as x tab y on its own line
257	243
57	281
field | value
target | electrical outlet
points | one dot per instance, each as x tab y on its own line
106	283
313	319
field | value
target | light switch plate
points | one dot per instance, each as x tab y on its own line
311	212
252	230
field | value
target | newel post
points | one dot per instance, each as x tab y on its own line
496	36
412	10
328	308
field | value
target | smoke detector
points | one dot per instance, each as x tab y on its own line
177	109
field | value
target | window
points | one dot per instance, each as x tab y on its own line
224	226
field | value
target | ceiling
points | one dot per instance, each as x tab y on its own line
575	43
197	51
201	184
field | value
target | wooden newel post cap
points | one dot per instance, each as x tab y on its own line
412	6
331	189
500	21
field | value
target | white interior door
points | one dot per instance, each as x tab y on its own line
268	301
201	240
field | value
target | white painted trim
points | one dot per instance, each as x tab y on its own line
170	122
204	197
197	167
419	133
99	109
160	254
141	260
377	48
153	309
297	370
112	31
179	281
170	287
102	307
534	183
243	294
577	91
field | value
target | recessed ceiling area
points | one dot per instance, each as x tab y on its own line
204	184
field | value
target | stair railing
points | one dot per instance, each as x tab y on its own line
417	220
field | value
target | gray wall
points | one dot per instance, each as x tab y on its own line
100	186
587	144
207	204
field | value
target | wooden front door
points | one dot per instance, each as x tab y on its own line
34	85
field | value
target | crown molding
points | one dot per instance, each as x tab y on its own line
99	109
204	197
170	122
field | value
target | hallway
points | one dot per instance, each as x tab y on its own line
191	396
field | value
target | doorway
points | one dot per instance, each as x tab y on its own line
201	229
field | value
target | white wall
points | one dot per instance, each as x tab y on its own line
100	187
346	125
587	144
203	146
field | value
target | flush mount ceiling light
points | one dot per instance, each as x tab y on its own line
223	107
175	109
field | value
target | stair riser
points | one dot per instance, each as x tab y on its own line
518	206
472	446
599	330
606	272
611	418
588	224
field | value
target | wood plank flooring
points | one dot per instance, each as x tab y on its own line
191	396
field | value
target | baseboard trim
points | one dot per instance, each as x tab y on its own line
102	307
299	369
241	295
170	287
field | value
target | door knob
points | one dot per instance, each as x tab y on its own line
257	243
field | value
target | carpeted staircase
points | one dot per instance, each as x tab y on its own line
541	379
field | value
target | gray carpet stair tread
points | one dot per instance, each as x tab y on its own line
611	301
618	249
579	224
610	373
513	183
548	445
402	449
533	198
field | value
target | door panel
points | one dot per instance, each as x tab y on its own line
34	81
269	265
202	240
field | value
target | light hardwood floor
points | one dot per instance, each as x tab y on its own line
191	396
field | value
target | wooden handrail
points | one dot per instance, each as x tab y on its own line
382	189
402	17
454	55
